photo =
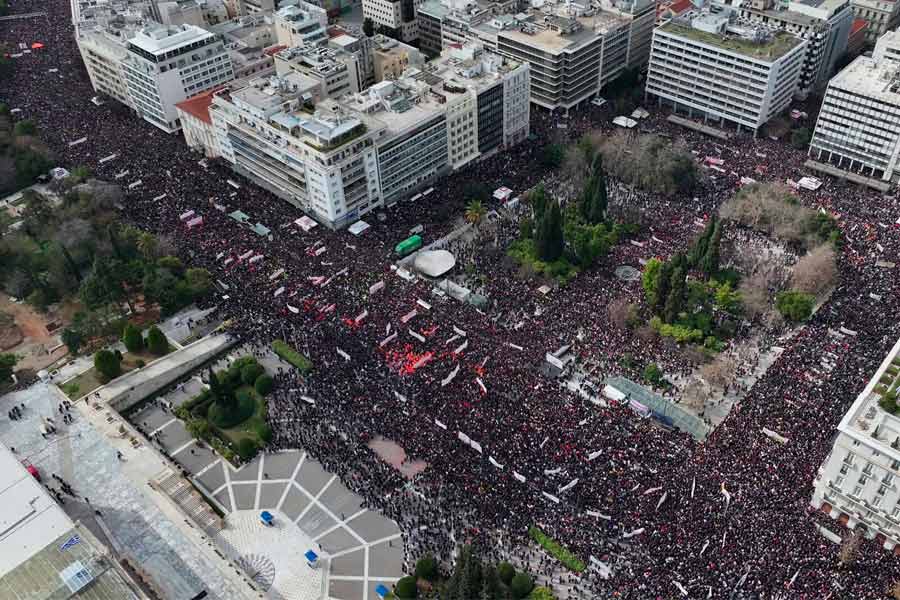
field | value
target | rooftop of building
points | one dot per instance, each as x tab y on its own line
771	47
397	105
159	39
198	106
471	66
90	11
876	79
874	418
555	33
319	59
302	11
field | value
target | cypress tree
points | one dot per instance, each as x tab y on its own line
553	239
675	299
710	262
663	286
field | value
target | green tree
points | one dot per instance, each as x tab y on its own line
709	264
506	572
427	568
663	286
250	372
795	306
675	299
199	281
539	201
133	338
73	339
156	341
26	127
549	242
247	448
727	299
406	588
541	593
800	138
594	200
552	156
108	364
475	212
526	228
263	384
7	364
521	585
147	245
653	374
491	588
650	280
199	428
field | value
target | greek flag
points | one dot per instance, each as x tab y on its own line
75	539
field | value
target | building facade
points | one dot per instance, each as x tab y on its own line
399	16
704	66
857	483
881	15
166	65
858	129
299	24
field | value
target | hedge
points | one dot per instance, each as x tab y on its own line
289	355
555	550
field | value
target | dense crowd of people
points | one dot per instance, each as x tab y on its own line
400	362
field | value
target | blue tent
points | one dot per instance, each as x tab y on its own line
311	556
266	517
381	590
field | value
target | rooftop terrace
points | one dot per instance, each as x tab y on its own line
772	49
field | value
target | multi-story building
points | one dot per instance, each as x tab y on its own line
857	483
251	43
391	57
352	40
856	41
166	65
398	16
301	23
337	72
103	53
46	555
196	124
574	48
708	65
321	158
339	159
881	15
824	24
858	129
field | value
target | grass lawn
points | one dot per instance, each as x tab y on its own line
291	356
89	381
247	429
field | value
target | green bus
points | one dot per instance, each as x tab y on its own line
409	245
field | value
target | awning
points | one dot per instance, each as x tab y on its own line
261	230
305	223
239	216
266	517
502	193
624	122
358	227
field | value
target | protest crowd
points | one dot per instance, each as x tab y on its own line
460	388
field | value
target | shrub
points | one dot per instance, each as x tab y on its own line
199	428
653	374
132	338
521	585
225	417
140	363
889	404
506	572
250	372
406	588
794	306
157	342
541	593
291	356
108	364
264	432
426	568
555	550
263	384
246	448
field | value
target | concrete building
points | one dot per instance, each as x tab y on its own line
399	16
824	24
45	554
881	15
196	124
251	44
856	41
166	65
858	129
338	159
354	42
574	49
336	72
710	66
103	53
180	12
321	159
301	23
857	483
391	58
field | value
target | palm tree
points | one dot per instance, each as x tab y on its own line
147	246
475	212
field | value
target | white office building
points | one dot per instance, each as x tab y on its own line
881	15
824	24
301	23
709	66
858	129
166	65
399	16
857	483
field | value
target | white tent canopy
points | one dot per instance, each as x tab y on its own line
625	122
434	263
358	227
305	223
502	194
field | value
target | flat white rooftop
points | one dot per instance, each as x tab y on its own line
30	519
879	80
161	38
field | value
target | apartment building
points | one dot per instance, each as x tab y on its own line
857	483
399	16
166	65
391	58
337	72
300	23
858	129
881	15
709	66
824	24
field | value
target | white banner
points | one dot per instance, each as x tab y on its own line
293	309
276	274
568	486
555	471
450	377
459	331
594	455
186	215
423	361
495	463
451	340
519	477
419	337
423	304
662	499
246	255
514	346
633	533
439	424
279	292
408	316
594	513
387	340
551	497
344	354
476	447
358	319
464	438
554	361
651	490
461	347
775	436
307	399
481	385
134	184
195	222
376	287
